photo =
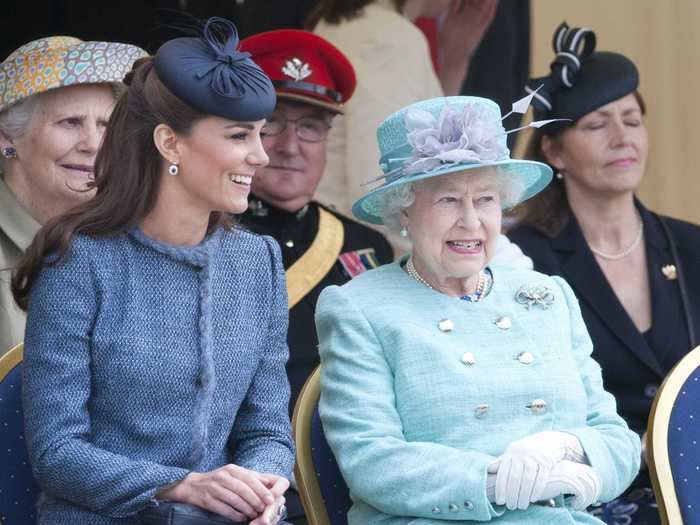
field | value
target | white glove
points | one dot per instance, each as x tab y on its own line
524	468
566	478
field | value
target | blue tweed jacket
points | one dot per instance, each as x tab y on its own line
145	361
415	408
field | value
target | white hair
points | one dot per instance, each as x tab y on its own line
510	186
14	121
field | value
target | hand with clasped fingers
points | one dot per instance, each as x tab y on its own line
234	492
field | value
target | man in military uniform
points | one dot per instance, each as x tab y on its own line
319	247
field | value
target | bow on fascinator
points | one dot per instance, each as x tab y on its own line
231	73
572	46
210	74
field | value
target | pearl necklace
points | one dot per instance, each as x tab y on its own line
475	297
624	253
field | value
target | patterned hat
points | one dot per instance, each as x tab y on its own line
58	61
304	67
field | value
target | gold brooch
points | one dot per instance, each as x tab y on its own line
669	271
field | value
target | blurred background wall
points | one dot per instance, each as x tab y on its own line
661	37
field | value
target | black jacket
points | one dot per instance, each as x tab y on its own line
295	232
633	365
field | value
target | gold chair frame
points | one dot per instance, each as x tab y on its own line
657	438
304	471
10	360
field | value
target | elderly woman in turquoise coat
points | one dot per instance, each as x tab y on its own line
453	389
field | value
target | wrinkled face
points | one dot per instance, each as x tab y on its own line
454	224
605	152
296	166
218	160
56	154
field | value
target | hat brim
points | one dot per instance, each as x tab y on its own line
296	97
114	61
534	176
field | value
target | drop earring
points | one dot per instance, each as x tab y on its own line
173	169
403	232
9	153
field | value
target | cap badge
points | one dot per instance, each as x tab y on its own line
296	69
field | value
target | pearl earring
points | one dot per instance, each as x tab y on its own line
9	153
173	169
403	232
560	175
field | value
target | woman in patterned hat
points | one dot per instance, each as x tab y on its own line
624	262
467	391
56	95
154	371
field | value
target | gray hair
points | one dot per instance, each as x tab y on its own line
394	201
15	120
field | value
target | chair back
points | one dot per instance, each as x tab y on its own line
18	490
323	491
673	443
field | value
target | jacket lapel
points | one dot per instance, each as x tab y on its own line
670	332
585	276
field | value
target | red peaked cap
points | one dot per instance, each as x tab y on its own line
303	66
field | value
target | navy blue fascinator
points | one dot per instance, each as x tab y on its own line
581	80
212	76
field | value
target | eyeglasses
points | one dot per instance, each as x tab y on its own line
308	129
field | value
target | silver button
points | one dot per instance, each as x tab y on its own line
468	358
446	325
526	358
436	510
480	410
538	406
453	507
289	244
468	505
504	323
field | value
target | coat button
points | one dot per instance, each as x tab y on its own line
538	406
480	410
436	510
468	358
650	391
526	358
453	507
446	325
504	323
289	244
468	505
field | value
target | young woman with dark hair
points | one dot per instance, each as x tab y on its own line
156	333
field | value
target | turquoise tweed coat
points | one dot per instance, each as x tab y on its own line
145	361
420	392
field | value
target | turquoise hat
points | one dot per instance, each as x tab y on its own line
440	136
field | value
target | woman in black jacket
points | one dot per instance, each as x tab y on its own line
625	263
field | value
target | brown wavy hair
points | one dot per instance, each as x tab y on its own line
549	211
128	171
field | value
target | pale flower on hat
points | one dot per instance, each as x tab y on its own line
446	135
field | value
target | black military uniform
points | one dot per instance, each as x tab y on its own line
363	248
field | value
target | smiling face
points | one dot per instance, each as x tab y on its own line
454	223
56	153
605	153
217	164
295	169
